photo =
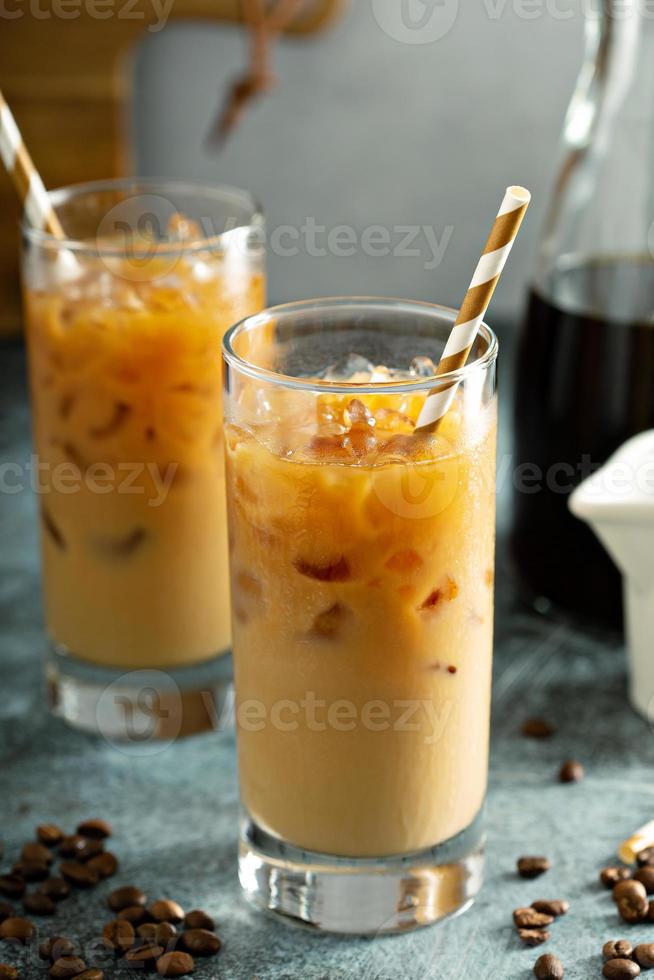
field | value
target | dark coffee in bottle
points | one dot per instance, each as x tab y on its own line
585	384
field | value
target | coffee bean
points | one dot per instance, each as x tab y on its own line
118	935
201	942
7	911
633	908
71	845
627	889
532	867
620	969
160	933
197	919
36	853
56	946
645	856
49	833
98	829
555	906
127	895
135	914
165	910
644	955
537	728
145	955
66	966
38	904
92	974
175	964
650	911
548	967
525	918
91	849
17	928
645	876
12	885
617	949
78	874
612	875
105	864
533	937
32	870
571	772
55	888
8	972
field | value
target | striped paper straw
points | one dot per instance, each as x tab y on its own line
25	176
487	274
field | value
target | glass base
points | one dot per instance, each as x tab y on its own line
143	707
362	896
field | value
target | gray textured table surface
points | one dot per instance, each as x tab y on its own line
175	813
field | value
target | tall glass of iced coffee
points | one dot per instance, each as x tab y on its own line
125	319
361	556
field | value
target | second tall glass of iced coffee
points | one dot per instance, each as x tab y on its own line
362	559
125	319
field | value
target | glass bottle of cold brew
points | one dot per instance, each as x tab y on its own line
585	369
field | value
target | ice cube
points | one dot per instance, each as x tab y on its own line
348	368
422	367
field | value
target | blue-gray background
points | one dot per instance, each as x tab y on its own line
366	129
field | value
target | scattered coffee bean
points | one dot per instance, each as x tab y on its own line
127	895
525	918
66	966
7	911
197	919
146	954
644	955
105	864
165	910
201	942
532	867
633	908
49	833
71	844
650	911
617	949
12	885
118	935
91	849
135	914
32	870
36	853
175	964
620	969
79	874
160	933
571	772
533	937
548	967
555	907
645	876
56	946
645	857
39	904
8	972
16	928
537	728
98	829
91	974
55	888
625	889
612	875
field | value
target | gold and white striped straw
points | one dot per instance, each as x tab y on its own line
25	176
472	312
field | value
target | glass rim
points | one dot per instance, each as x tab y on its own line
146	185
234	360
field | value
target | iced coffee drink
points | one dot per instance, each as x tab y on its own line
124	335
362	589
